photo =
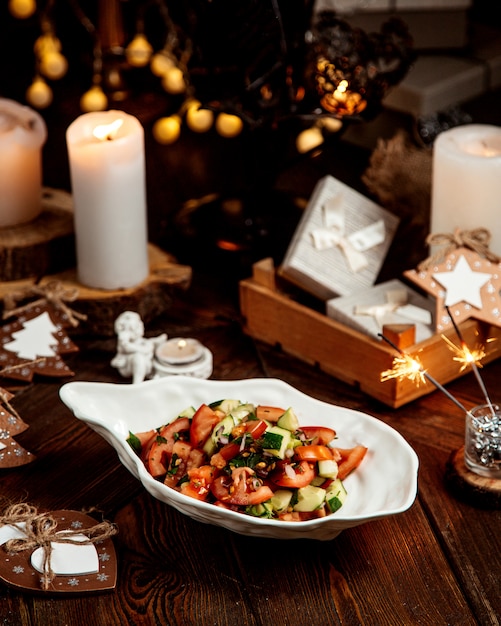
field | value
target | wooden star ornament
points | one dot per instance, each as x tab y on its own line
464	284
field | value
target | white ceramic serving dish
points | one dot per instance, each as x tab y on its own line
384	484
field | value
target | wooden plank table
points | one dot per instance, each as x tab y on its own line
438	563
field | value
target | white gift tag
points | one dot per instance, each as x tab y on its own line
69	559
12	531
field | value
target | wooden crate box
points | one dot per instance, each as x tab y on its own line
274	317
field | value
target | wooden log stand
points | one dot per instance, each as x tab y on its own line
43	250
470	487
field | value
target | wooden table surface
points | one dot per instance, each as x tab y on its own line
437	563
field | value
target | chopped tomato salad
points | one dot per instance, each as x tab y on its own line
253	459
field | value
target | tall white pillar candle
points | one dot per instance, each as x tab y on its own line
22	135
108	180
466	181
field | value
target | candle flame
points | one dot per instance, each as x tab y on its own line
107	131
405	366
181	344
342	86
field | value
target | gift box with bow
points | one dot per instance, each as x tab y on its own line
340	243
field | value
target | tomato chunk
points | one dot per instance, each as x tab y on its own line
350	460
313	452
200	480
321	435
146	440
158	457
241	489
269	413
227	452
293	475
171	432
255	428
202	424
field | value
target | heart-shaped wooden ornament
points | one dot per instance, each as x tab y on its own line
77	569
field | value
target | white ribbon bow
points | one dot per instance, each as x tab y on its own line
396	302
353	246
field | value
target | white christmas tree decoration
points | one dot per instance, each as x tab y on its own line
35	339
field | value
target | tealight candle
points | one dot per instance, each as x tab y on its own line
182	357
466	181
22	135
107	167
179	351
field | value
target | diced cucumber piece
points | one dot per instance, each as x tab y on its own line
309	498
264	509
221	429
336	495
289	421
209	447
318	481
276	440
241	411
188	412
226	405
281	500
328	468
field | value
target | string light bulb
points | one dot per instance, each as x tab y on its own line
173	81
39	94
22	9
53	65
166	130
161	62
93	100
198	119
139	51
228	125
309	139
52	62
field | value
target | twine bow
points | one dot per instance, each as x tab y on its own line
354	245
53	292
477	240
40	530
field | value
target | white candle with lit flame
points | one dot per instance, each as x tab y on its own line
466	182
107	168
22	135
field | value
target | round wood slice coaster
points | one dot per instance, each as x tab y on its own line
470	487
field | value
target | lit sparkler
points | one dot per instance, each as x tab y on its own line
466	357
406	366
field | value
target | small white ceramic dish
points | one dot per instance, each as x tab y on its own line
384	484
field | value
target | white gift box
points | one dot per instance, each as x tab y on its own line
391	302
340	243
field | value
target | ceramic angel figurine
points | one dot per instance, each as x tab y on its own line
135	352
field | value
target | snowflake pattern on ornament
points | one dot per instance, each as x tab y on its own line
11	453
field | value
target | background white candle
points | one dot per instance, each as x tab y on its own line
466	181
22	135
108	182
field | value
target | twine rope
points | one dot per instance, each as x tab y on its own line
41	532
53	292
477	240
